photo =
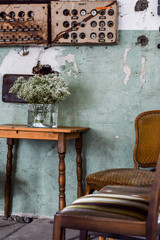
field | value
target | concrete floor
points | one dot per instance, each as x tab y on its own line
38	229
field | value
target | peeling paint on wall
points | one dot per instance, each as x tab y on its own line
126	68
143	72
20	64
71	59
69	72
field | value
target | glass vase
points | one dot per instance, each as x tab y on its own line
43	115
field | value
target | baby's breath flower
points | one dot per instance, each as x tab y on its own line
47	89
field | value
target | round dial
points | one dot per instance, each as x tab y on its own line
94	12
11	14
65	35
110	23
102	24
66	24
93	23
102	12
74	24
21	14
110	35
30	14
66	12
110	12
74	12
101	35
93	35
83	12
2	14
74	35
83	24
82	35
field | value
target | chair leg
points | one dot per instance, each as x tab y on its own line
83	235
58	231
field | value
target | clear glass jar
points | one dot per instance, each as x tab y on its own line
43	115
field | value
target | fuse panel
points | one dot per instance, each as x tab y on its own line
84	22
23	24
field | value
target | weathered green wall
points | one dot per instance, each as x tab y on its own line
102	99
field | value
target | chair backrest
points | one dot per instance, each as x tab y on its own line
147	139
153	212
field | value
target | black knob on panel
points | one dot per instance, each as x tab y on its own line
21	14
110	35
30	14
74	24
66	12
11	14
101	35
65	35
2	14
82	35
94	12
93	23
110	12
110	23
74	35
83	24
102	12
93	35
102	24
66	24
74	12
83	12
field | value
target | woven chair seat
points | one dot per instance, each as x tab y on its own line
123	176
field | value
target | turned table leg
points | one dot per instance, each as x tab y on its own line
61	152
79	166
10	142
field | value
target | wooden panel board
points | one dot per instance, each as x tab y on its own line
23	24
84	22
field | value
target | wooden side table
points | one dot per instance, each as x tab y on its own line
60	134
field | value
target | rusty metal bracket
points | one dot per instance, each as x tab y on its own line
8	81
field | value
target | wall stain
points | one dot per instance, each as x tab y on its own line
141	5
142	40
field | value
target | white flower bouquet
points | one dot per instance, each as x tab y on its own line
41	89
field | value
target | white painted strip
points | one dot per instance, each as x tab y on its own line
126	68
128	19
143	72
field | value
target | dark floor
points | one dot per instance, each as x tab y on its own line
38	229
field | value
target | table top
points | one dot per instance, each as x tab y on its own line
61	129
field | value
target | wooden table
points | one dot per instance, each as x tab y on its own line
60	134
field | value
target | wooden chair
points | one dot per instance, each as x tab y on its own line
129	214
146	150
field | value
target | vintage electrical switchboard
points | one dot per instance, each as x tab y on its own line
23	24
84	22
